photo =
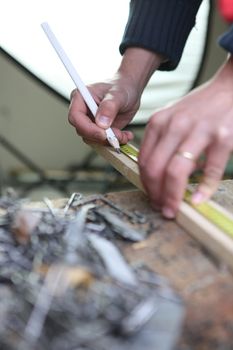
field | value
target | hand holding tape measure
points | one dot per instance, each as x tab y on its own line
212	212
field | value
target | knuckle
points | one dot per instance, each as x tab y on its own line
223	137
71	119
204	129
155	121
85	140
179	123
78	132
71	114
72	94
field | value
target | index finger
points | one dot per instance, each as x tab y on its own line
79	117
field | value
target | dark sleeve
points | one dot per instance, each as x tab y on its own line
226	40
161	26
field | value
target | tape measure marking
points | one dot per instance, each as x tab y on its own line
130	151
207	209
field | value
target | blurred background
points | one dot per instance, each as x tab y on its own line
40	153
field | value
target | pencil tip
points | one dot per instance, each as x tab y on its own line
114	143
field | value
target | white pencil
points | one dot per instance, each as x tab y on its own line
112	139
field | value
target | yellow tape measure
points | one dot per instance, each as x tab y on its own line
130	151
214	214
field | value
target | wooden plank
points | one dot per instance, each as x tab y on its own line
208	234
194	223
126	166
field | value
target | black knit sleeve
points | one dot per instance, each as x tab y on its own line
161	26
226	40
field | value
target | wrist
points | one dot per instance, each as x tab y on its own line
138	65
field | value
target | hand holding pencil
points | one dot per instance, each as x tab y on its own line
79	111
118	98
107	111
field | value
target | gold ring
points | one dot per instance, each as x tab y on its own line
186	155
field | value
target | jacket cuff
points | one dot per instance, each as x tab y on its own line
160	26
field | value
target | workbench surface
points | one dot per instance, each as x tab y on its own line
204	283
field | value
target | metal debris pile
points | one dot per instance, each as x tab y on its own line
64	283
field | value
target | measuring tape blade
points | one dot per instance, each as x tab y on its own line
210	210
214	213
130	151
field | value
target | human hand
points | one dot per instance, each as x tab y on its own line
118	99
176	136
117	102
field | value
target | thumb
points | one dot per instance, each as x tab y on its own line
108	110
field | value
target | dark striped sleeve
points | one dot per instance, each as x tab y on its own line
161	26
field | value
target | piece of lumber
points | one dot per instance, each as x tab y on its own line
214	240
126	166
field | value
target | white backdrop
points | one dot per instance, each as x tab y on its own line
90	31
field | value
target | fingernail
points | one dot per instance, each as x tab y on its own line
103	121
197	198
168	213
